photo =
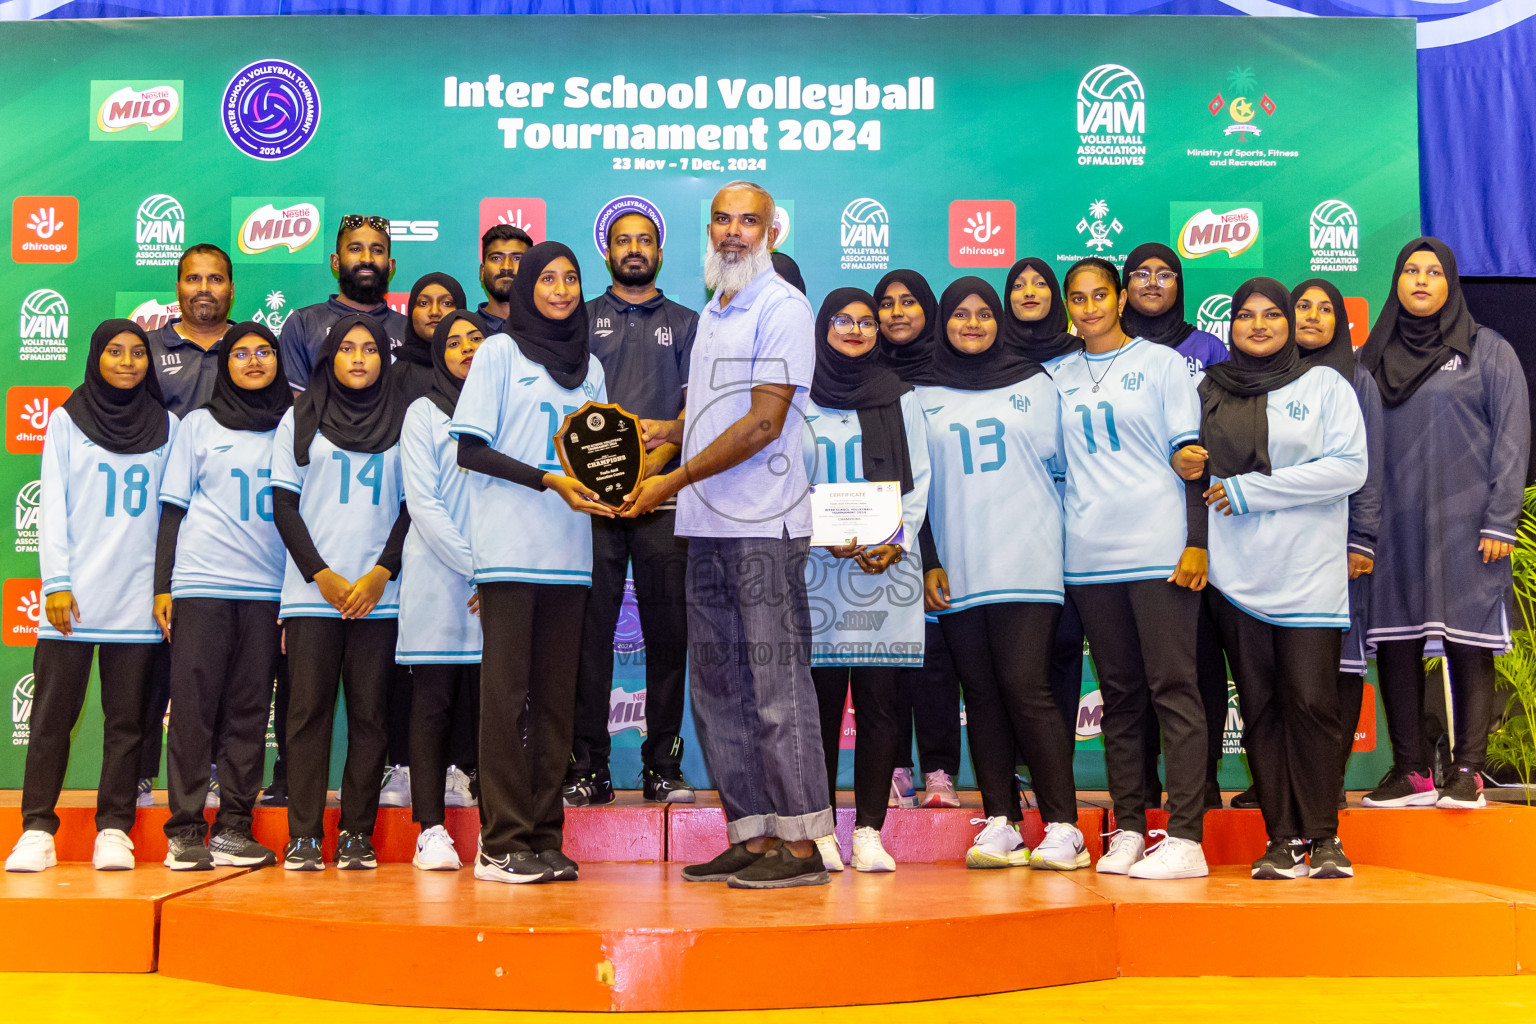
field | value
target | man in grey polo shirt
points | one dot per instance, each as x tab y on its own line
742	503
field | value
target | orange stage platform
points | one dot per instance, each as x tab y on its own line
632	935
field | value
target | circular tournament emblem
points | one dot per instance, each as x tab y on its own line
271	109
595	421
616	208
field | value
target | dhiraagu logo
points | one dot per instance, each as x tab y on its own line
135	111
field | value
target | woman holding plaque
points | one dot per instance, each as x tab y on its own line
866	598
439	634
1285	447
340	510
1135	561
929	694
994	443
1457	427
532	560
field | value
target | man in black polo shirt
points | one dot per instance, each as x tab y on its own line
363	267
185	352
501	250
643	340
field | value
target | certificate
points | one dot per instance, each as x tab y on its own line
842	512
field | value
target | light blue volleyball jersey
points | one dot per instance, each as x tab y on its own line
519	534
349	501
436	625
228	546
1282	556
1123	413
99	518
858	618
993	502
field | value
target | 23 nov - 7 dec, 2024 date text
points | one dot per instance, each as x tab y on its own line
690	164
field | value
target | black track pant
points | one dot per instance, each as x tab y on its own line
1211	675
402	683
527	706
1287	684
1400	668
280	723
1351	695
358	656
1142	635
1067	663
876	705
660	561
930	704
157	697
61	671
438	691
221	680
1002	653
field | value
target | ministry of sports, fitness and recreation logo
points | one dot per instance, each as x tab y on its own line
615	208
1241	109
44	326
1215	317
1099	228
1111	118
21	710
160	230
135	111
866	236
277	230
272	314
21	611
1333	231
1205	230
271	109
29	501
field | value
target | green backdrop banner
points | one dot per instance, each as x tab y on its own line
951	145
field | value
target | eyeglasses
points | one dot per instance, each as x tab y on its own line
353	221
845	324
245	355
1163	277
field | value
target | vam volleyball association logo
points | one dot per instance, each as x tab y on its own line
160	231
1334	233
21	710
1215	317
1111	118
29	502
271	109
866	236
44	326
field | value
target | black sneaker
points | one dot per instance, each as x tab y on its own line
303	855
1463	788
735	858
1328	860
185	851
1247	800
520	867
1343	797
576	791
237	848
1283	858
1213	796
781	869
275	795
1400	788
564	869
666	785
354	852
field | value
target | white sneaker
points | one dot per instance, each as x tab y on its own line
456	790
1172	858
939	790
212	799
435	851
902	793
868	854
997	845
33	852
1062	849
831	856
113	851
1124	850
396	790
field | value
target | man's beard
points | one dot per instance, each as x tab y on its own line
218	312
723	274
629	277
368	294
498	288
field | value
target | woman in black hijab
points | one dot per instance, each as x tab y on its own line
104	455
1322	332
1286	447
433	297
995	574
865	424
340	510
1457	433
218	576
789	270
1153	277
1035	320
532	559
